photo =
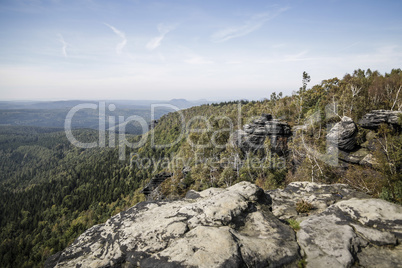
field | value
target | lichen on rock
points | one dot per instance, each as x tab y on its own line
243	226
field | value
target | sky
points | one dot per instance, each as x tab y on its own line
159	50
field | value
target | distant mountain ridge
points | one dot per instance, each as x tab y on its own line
62	104
54	113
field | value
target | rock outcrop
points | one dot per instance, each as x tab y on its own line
375	118
253	135
230	227
344	228
343	134
321	196
149	189
235	227
355	231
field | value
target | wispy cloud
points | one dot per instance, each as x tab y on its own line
156	41
122	35
249	26
197	60
296	57
64	47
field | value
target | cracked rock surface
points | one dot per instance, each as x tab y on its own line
230	227
235	227
357	232
321	196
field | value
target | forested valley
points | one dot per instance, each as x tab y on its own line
52	191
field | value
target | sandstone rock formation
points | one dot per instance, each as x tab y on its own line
343	134
149	189
345	227
234	227
230	227
253	135
321	196
375	118
355	231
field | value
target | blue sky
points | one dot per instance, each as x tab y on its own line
137	49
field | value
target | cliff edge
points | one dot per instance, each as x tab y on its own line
243	226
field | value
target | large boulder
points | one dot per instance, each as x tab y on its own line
230	227
375	118
253	135
344	228
343	134
355	231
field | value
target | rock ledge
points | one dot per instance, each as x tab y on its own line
235	227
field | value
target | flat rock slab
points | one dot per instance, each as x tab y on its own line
321	196
230	227
235	227
353	232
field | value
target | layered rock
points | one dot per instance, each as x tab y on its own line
361	156
253	135
149	189
375	118
230	227
343	134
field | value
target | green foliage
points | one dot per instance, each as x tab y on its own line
294	224
52	192
302	263
386	194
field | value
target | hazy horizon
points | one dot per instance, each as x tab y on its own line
95	49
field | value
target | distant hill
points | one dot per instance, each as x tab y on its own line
123	104
53	113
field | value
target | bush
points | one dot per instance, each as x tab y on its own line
294	224
303	206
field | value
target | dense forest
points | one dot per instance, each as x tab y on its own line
53	114
52	191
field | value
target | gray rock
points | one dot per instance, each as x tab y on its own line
359	156
248	129
235	227
321	196
230	227
368	160
155	182
253	135
325	243
345	233
377	257
150	190
343	134
375	118
375	213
